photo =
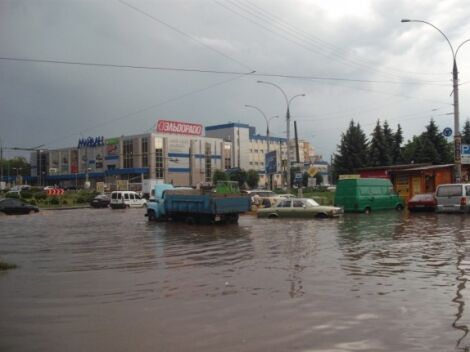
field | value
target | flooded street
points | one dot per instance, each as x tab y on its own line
104	280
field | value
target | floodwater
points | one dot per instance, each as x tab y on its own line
104	280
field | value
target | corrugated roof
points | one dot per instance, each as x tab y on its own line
423	168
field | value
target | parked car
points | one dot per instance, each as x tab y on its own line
12	206
299	208
366	195
453	198
422	202
126	199
100	201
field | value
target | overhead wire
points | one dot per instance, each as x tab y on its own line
181	32
316	39
294	38
217	72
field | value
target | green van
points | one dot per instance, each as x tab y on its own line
366	195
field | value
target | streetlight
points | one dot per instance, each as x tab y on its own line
455	82
267	131
288	101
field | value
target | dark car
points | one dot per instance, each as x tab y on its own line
11	206
100	201
422	202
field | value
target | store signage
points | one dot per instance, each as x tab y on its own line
190	129
90	142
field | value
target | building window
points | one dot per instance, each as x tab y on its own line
227	157
128	150
145	152
208	162
159	163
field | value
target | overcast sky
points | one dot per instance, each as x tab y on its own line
352	59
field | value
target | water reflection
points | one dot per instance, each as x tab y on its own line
461	265
107	280
180	245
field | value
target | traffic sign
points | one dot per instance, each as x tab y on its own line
312	171
447	132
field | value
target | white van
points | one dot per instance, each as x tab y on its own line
126	199
454	197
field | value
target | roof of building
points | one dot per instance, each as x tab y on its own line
227	125
423	168
394	167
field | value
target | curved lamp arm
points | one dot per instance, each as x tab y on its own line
430	24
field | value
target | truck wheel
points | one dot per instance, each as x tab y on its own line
367	210
230	219
190	220
151	215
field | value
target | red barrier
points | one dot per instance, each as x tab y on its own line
55	192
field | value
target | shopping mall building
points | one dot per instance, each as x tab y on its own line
177	152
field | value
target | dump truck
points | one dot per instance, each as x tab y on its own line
198	206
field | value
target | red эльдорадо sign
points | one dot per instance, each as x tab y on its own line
177	127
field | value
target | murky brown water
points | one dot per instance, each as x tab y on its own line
103	280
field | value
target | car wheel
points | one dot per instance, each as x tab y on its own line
399	207
272	216
151	215
367	210
190	220
321	216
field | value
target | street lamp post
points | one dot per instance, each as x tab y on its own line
455	83
267	132
288	101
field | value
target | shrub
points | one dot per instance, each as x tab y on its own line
39	195
54	200
33	202
80	199
6	266
12	195
64	202
26	194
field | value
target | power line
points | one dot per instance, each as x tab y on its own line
179	31
293	37
217	72
316	39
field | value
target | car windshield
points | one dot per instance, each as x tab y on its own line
311	203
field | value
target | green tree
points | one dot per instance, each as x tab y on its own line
396	146
466	133
238	175
352	151
15	166
252	178
219	175
429	147
378	148
443	150
318	178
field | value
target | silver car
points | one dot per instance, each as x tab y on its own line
452	198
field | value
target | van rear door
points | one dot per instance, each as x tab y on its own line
449	196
